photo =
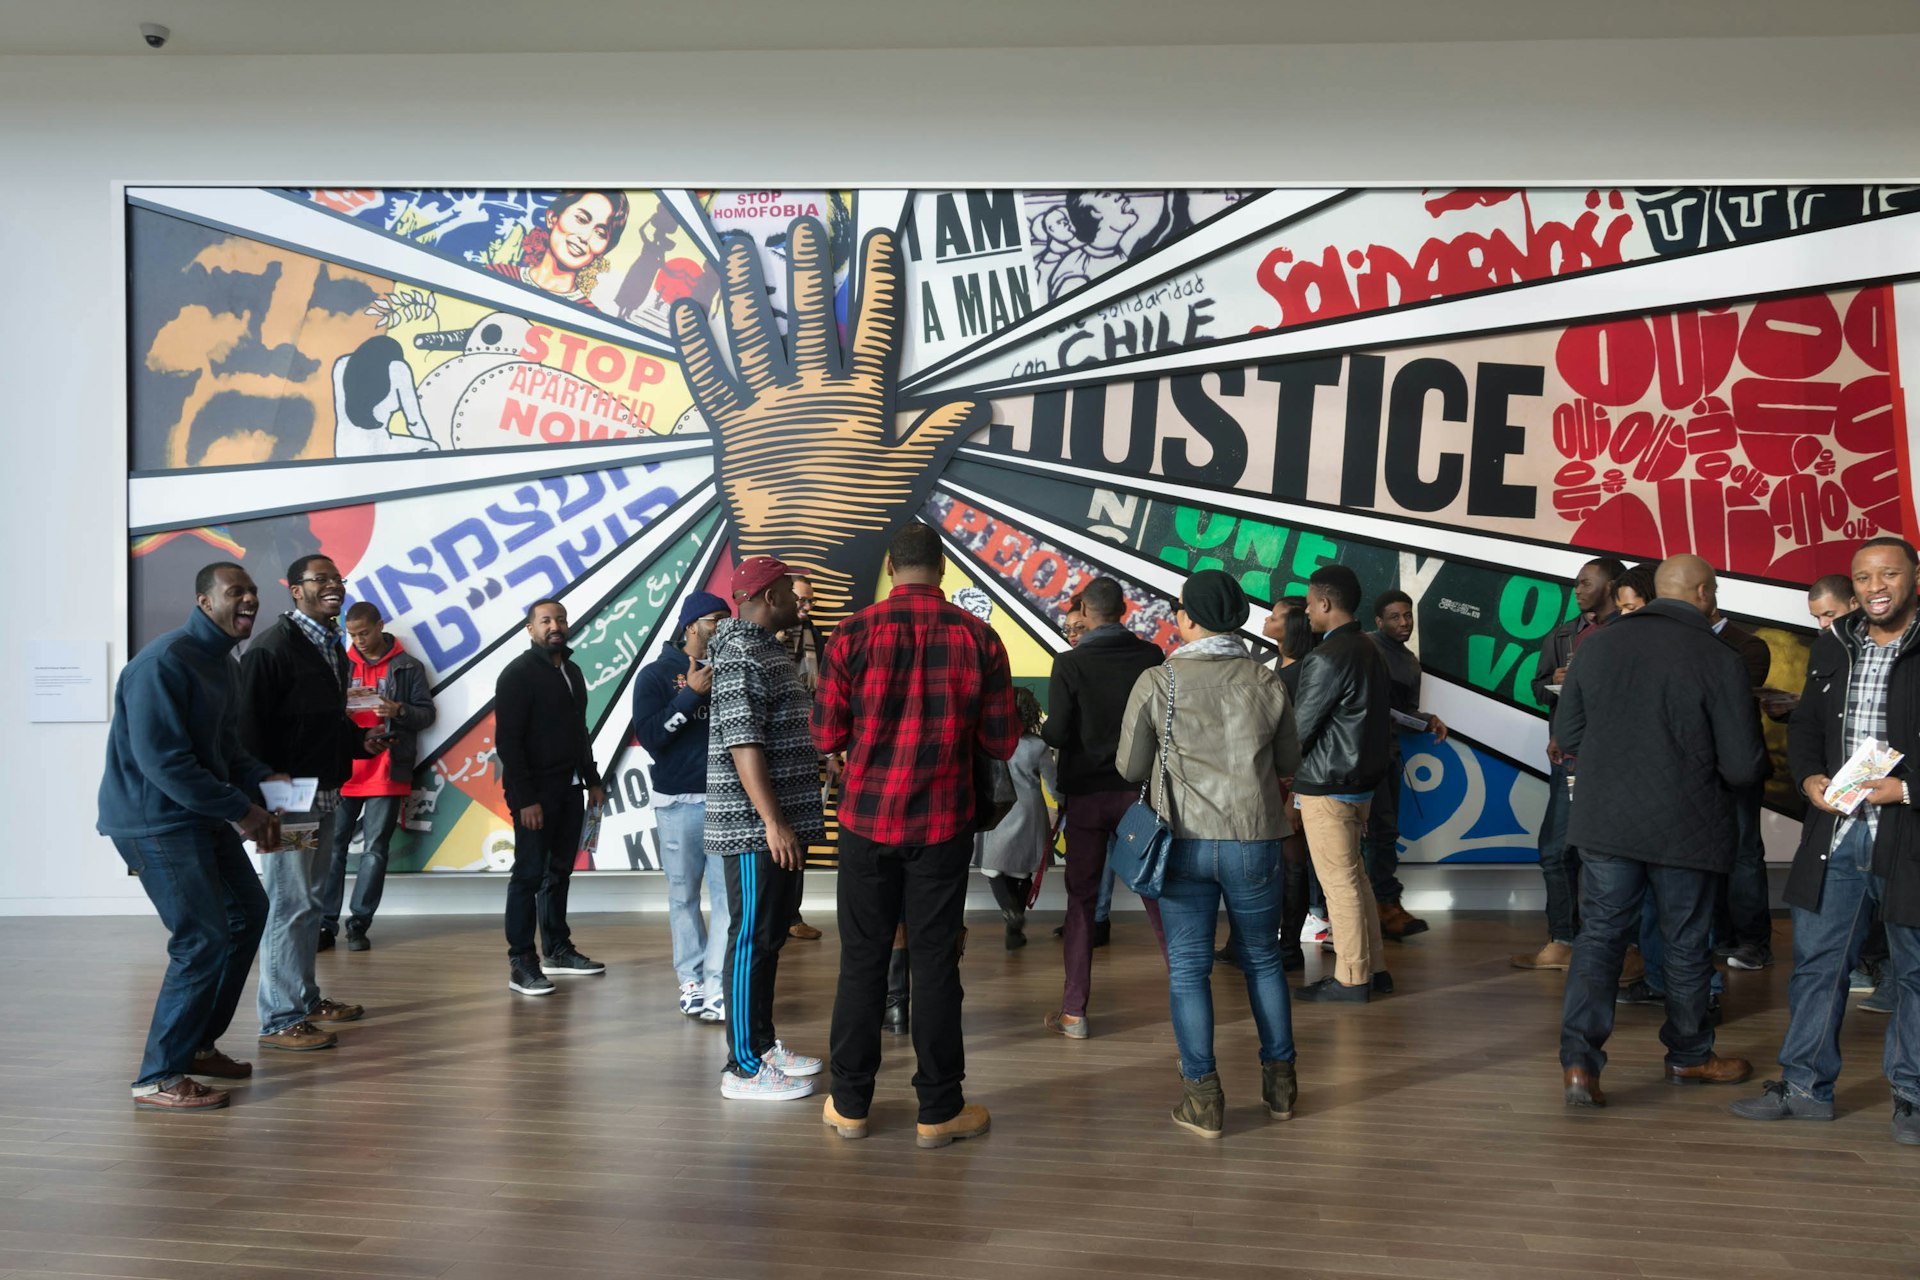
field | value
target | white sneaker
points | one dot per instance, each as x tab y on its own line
715	1010
1314	928
771	1085
693	999
791	1063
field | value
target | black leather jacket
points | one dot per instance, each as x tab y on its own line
1346	733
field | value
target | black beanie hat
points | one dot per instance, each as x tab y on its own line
1214	599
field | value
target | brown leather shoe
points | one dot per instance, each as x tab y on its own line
334	1011
299	1038
186	1094
802	930
219	1066
970	1123
1715	1070
1634	969
1398	924
840	1124
1555	955
1582	1087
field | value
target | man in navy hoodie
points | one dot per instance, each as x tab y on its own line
178	795
672	700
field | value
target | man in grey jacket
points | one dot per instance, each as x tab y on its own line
394	688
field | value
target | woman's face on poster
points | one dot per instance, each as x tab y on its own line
580	232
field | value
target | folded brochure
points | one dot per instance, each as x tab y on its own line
1872	762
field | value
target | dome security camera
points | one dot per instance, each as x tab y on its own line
154	34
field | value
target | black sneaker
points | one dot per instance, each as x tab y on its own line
1777	1102
1881	999
1330	990
1906	1123
527	979
570	964
1749	957
326	940
1292	959
357	939
1383	983
1102	932
1638	992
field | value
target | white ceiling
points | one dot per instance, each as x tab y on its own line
631	26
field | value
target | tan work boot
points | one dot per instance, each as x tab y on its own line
972	1121
335	1011
840	1124
1555	955
1203	1110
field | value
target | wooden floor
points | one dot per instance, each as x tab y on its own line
464	1132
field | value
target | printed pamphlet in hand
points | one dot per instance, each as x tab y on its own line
362	698
1872	762
1411	723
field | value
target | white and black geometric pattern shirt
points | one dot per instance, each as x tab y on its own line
758	699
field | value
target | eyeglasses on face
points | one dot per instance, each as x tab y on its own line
325	580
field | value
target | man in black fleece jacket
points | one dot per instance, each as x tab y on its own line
293	719
1086	697
546	757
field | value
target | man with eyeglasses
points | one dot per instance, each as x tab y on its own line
293	718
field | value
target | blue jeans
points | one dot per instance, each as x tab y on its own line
1559	862
376	817
1826	946
1246	873
1610	892
699	950
1653	951
1380	847
296	881
211	902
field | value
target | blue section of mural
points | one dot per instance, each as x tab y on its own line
1461	804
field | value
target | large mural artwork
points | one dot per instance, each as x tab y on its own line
470	399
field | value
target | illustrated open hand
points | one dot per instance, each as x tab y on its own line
812	465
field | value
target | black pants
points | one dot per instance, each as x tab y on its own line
1610	892
880	886
1742	917
761	894
542	870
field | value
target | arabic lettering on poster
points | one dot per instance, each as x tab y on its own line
471	578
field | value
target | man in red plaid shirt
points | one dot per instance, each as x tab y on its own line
914	688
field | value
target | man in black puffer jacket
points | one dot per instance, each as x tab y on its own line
1659	713
1862	683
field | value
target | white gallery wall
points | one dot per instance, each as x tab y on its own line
1698	110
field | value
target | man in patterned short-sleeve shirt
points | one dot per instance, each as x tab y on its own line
763	809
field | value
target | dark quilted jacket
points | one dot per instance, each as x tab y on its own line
1660	713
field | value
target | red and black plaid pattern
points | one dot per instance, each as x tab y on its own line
913	687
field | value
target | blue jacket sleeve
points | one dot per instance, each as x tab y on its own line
157	708
660	712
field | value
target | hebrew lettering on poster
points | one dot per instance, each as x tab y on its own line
473	397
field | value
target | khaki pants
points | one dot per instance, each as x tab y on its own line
1333	829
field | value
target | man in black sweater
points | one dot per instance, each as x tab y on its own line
293	718
1085	699
546	757
1659	714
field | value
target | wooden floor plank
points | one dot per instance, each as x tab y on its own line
465	1133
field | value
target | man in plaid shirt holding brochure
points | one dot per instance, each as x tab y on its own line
914	688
